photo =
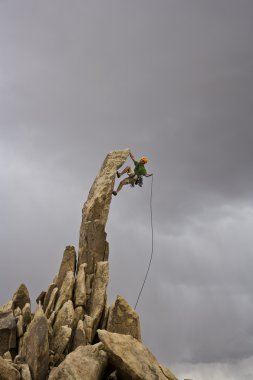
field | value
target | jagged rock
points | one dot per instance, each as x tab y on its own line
7	371
104	318
167	372
61	339
40	298
21	297
79	336
51	320
64	317
26	312
68	264
123	319
92	243
66	290
51	302
25	372
80	288
35	347
7	330
86	362
130	357
98	296
48	295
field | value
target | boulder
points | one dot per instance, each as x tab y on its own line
21	297
7	371
86	362
35	347
130	357
68	264
123	319
66	290
8	328
92	241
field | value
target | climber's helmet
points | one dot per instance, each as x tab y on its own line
144	160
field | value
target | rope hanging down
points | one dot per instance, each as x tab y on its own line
152	245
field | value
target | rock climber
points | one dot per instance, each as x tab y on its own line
134	174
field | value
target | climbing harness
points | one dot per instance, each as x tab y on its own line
152	244
139	181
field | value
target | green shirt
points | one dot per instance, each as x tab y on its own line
139	168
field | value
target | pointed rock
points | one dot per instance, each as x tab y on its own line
123	319
80	288
79	336
21	297
92	241
86	362
66	290
65	316
98	297
130	357
7	371
35	348
68	264
48	295
51	303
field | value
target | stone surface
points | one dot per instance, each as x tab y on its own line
7	371
64	317
130	357
35	348
68	264
80	288
20	330
78	315
123	319
92	241
79	336
66	290
8	329
21	297
85	363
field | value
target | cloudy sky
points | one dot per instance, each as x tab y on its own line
170	79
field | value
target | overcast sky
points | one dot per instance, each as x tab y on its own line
169	79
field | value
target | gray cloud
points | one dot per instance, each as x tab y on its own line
172	80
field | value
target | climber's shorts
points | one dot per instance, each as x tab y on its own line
132	177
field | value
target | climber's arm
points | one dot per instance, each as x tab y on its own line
131	155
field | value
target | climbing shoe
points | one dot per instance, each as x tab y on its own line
118	175
114	192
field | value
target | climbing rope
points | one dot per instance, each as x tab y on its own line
152	244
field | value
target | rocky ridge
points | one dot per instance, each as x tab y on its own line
73	333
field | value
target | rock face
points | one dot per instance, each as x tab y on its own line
35	348
123	319
131	358
87	363
60	340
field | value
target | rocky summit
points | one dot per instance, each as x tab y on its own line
73	334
